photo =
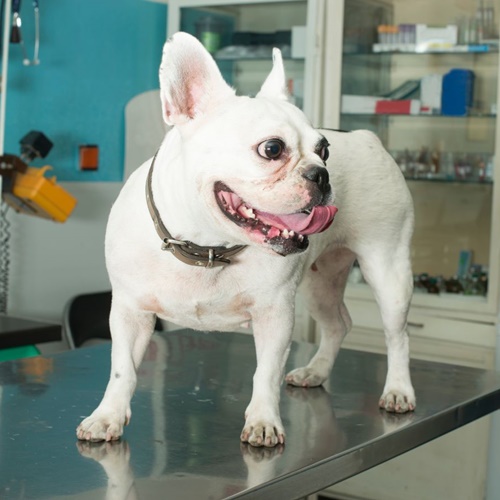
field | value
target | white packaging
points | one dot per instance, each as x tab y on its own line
299	37
359	103
435	37
430	91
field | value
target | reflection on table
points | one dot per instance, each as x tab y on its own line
187	415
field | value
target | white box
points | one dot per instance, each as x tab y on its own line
435	37
359	103
430	91
299	37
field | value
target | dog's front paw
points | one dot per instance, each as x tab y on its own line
398	401
101	426
306	377
263	432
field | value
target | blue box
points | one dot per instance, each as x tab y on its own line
458	91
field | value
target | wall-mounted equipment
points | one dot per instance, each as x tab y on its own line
16	35
88	157
26	189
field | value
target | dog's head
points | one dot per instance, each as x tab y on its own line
255	166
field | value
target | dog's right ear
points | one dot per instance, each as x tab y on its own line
190	81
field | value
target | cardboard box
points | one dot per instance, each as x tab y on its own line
435	37
361	104
299	37
369	105
458	92
398	107
430	92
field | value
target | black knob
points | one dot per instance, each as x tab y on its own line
35	145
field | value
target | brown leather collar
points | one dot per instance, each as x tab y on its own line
186	251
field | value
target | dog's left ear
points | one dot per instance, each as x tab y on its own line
275	85
190	81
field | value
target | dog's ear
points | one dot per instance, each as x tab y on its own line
190	81
275	85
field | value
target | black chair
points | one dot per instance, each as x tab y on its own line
86	319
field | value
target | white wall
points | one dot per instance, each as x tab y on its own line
51	262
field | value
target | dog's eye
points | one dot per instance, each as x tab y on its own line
271	149
324	153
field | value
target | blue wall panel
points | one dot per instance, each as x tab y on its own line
95	56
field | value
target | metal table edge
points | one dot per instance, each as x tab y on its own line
332	470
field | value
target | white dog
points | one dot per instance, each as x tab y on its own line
213	233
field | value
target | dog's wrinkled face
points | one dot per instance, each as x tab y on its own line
257	164
281	191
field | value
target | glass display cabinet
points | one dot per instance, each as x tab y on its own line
424	76
241	39
241	35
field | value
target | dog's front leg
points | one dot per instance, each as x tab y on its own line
272	334
131	331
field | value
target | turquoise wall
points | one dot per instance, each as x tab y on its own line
95	56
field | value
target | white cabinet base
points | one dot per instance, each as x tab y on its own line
453	466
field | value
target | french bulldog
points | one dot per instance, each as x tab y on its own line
237	209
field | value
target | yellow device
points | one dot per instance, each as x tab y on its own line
34	194
26	189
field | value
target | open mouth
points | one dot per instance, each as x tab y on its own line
285	233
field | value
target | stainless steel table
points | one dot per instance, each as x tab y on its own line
187	414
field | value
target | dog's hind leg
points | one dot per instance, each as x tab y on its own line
388	272
323	287
131	332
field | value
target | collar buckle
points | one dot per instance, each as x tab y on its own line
186	251
170	243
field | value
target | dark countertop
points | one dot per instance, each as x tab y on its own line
15	332
187	415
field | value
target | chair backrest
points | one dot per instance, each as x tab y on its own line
145	129
86	317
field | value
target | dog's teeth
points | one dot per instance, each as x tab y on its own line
291	234
300	237
246	212
285	233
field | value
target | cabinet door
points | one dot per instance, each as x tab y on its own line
241	35
424	77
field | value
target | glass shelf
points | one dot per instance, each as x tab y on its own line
445	180
421	115
435	300
244	59
416	50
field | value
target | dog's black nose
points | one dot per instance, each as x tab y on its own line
319	175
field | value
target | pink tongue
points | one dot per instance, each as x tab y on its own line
317	221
